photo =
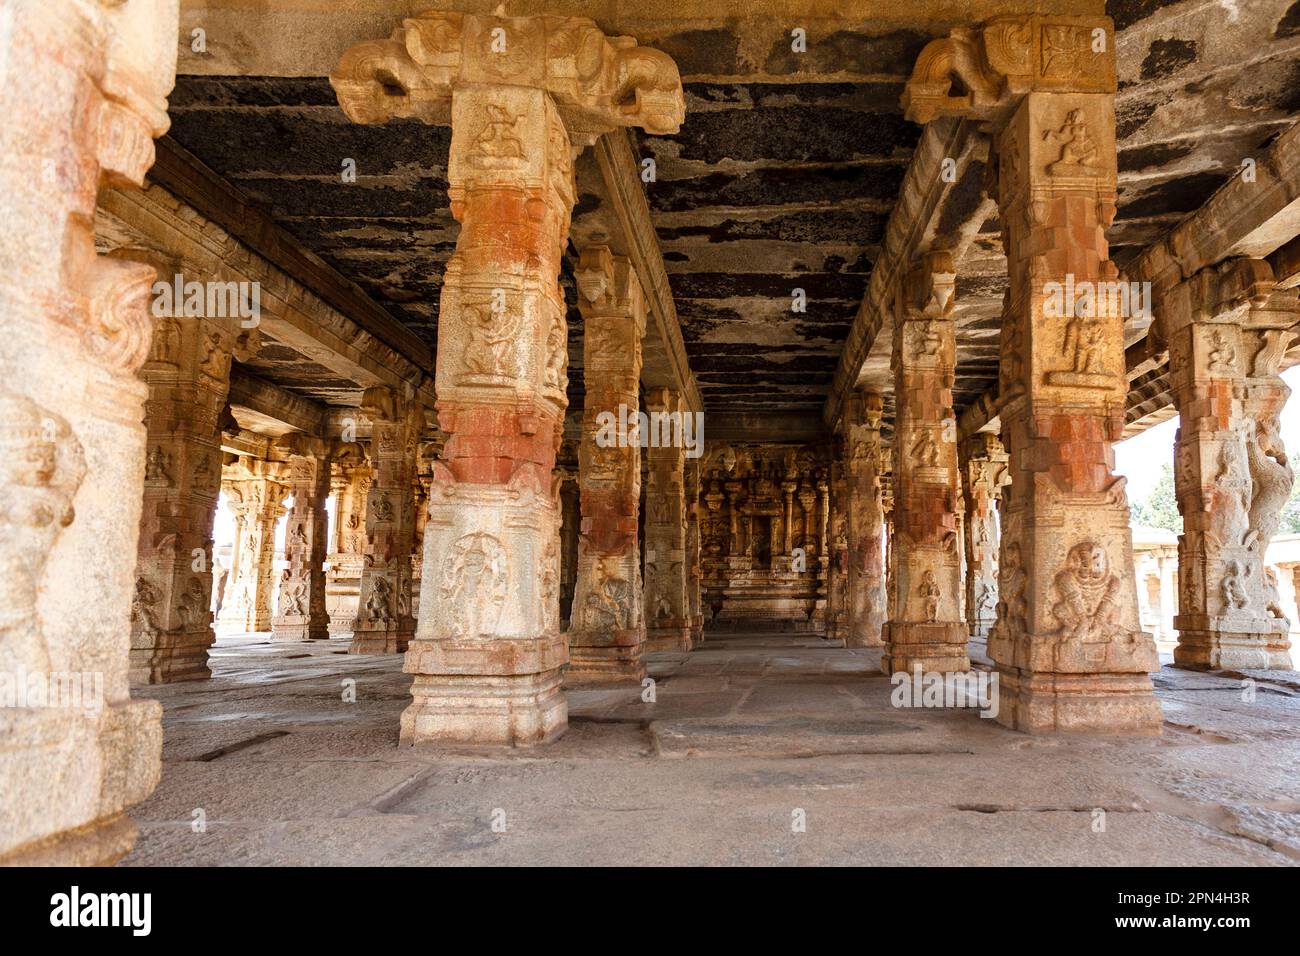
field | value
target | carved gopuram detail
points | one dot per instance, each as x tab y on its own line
1226	329
925	628
607	627
1067	642
667	611
983	472
521	96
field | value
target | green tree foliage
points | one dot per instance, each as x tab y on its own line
1160	509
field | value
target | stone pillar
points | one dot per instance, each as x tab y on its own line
1226	331
350	486
520	94
1067	644
668	624
926	628
385	618
82	93
694	573
255	491
300	611
607	632
837	614
188	374
983	468
865	524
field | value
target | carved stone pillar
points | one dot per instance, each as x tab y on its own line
350	486
668	624
386	616
300	611
607	632
926	628
837	613
188	373
865	598
1226	331
1067	643
694	574
83	93
255	491
983	469
520	94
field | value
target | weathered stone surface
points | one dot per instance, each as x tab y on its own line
83	94
607	629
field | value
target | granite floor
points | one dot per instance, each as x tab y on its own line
758	749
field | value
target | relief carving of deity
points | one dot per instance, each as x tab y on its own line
608	604
474	583
492	338
557	355
550	580
1087	607
379	603
42	464
1079	154
930	594
497	146
1013	607
293	595
1272	479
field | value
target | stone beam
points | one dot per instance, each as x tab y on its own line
933	212
189	180
159	222
611	171
271	401
713	42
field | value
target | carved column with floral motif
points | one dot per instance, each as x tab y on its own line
607	631
83	92
1067	644
926	628
668	625
521	94
1227	329
386	615
300	610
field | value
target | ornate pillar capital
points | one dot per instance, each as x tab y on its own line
597	82
1006	58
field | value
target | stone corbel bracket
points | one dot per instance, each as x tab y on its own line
981	72
598	82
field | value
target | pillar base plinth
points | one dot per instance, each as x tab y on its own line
170	665
1224	650
102	843
668	639
378	643
1077	703
605	658
517	710
938	647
